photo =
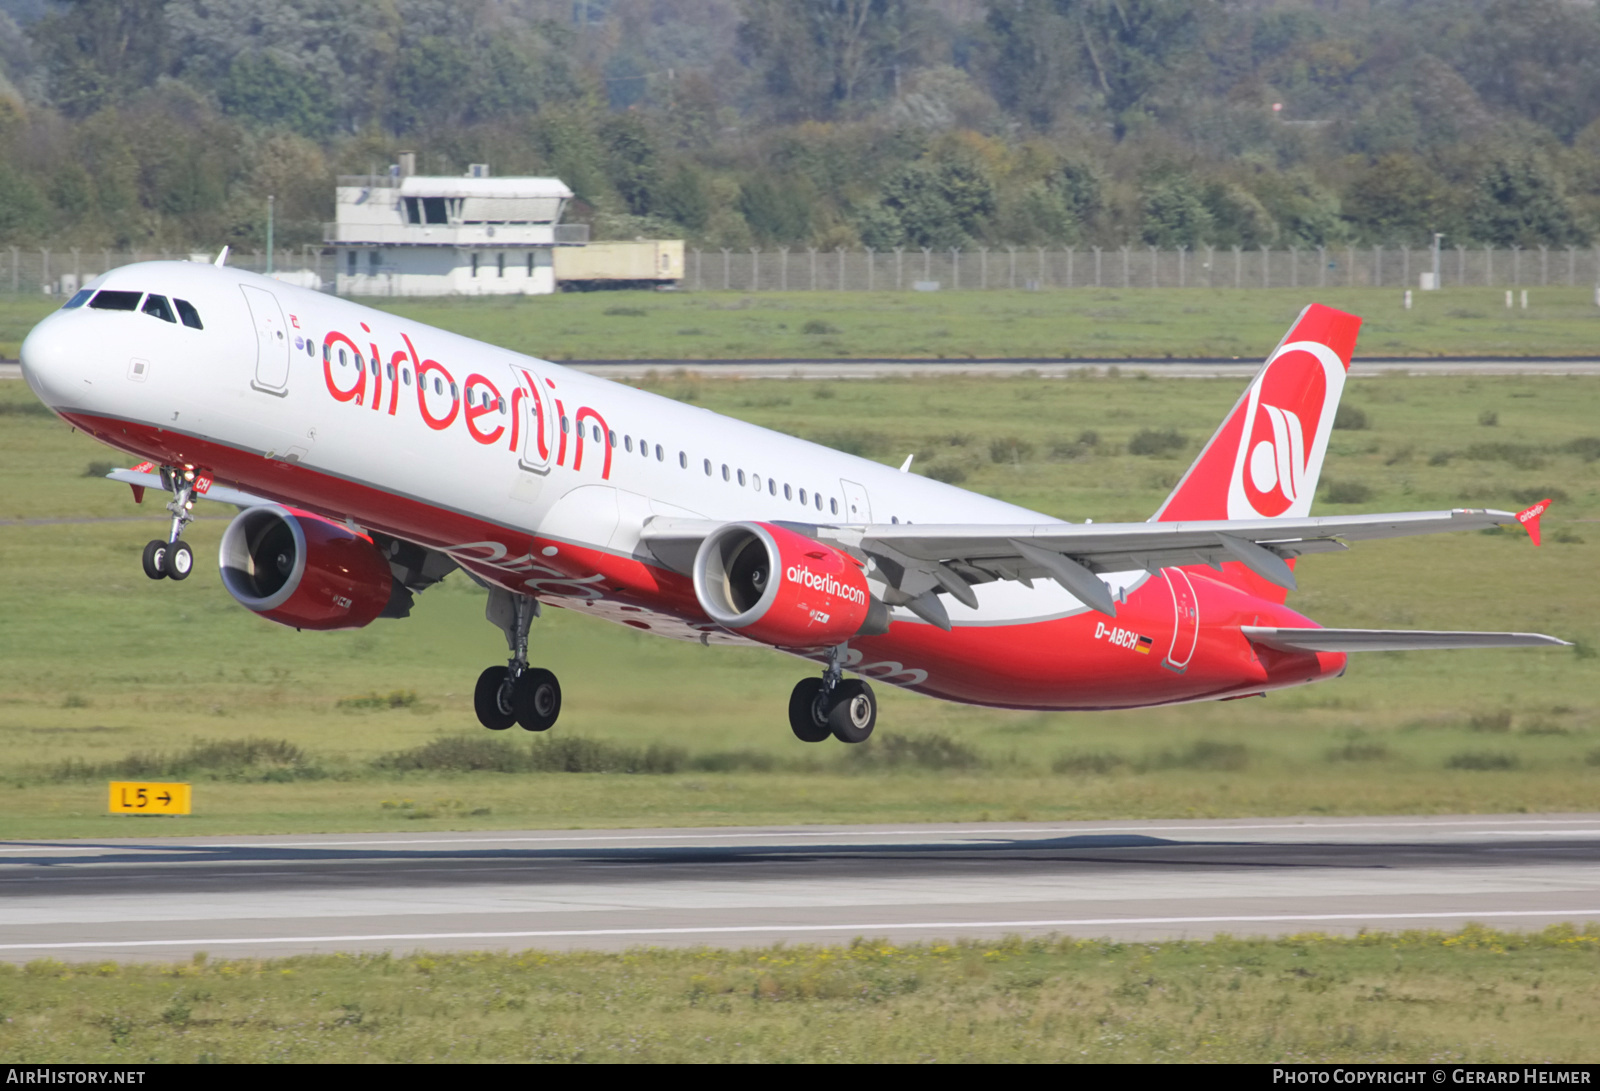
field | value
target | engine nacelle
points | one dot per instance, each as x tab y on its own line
303	570
779	587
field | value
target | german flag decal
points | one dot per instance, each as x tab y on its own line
1143	647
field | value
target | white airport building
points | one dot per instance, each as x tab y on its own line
404	234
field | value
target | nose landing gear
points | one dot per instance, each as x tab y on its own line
173	559
516	693
832	705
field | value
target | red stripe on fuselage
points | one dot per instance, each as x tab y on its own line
1080	661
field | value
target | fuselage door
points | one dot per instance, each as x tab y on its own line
856	507
1185	620
536	416
272	340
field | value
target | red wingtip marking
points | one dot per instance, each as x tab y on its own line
1529	519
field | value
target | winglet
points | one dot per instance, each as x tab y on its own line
1529	519
222	258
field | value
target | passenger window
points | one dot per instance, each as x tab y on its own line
683	459
116	301
388	372
724	471
157	306
741	478
565	428
802	496
661	455
311	349
755	479
788	493
344	360
818	497
438	388
611	438
627	444
78	300
708	467
833	505
772	486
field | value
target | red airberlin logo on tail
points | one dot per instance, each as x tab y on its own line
1287	419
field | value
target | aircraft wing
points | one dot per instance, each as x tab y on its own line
1389	640
141	480
918	561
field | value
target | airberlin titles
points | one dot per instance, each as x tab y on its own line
441	401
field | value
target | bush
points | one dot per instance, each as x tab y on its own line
459	754
1009	449
1202	754
1154	443
816	327
936	751
853	441
228	759
1586	447
949	473
625	312
1482	760
1359	751
1489	418
1346	492
1081	762
1350	418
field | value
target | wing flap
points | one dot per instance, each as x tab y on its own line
1389	640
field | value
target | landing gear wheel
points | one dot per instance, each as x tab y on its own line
537	699
155	558
491	700
854	711
803	720
179	561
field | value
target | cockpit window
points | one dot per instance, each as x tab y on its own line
116	301
190	316
78	300
157	306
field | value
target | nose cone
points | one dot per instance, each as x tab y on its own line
52	361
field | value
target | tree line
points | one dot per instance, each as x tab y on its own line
825	123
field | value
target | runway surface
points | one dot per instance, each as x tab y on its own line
165	898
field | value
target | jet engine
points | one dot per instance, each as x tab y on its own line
779	587
303	570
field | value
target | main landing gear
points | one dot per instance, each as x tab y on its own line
847	709
516	693
173	559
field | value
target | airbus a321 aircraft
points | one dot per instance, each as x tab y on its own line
372	455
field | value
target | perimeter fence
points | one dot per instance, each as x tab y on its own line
62	270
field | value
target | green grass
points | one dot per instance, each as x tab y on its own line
1472	996
955	325
107	671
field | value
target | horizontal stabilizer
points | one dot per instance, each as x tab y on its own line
1389	640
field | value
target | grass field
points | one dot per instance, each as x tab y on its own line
1473	996
952	325
105	672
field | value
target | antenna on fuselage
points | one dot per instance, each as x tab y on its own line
905	467
222	258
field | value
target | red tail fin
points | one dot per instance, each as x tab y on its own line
1265	459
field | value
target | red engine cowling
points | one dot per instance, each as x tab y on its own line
303	570
779	587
